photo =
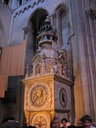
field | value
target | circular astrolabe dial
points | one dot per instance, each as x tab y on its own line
63	97
40	122
38	95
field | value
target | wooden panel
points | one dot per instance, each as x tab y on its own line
13	60
3	85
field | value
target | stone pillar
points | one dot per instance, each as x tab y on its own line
92	58
14	4
59	32
90	7
80	62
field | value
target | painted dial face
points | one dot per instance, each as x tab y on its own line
63	97
40	122
38	95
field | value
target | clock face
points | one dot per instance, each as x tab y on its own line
38	95
63	97
40	122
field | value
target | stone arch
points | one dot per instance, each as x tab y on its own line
60	6
62	24
31	31
36	19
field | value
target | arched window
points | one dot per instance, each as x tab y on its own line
34	24
62	25
64	29
33	27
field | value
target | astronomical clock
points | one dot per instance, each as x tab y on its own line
47	90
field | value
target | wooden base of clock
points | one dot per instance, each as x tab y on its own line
45	97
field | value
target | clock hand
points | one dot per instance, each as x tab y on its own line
35	97
42	92
35	100
38	96
63	98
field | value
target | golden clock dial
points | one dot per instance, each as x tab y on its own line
40	122
38	95
63	97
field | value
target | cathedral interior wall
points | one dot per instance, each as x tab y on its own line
5	24
22	15
81	41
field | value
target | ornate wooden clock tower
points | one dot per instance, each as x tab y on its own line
48	87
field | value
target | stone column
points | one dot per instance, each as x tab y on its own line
80	61
14	4
90	7
58	28
92	58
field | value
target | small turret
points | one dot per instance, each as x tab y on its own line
46	33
